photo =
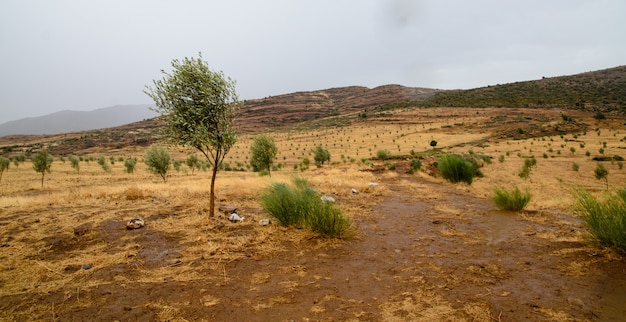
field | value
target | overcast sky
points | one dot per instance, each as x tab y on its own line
83	55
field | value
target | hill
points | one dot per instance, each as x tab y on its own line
299	107
603	90
72	121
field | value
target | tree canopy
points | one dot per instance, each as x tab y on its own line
199	106
42	161
263	151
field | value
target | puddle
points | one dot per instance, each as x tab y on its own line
500	226
613	304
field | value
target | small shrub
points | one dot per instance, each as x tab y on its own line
129	165
157	158
4	166
321	155
455	169
575	166
415	165
601	172
605	219
75	162
42	161
513	200
300	205
104	164
383	155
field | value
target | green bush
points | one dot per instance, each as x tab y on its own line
513	200
605	219
383	155
105	166
129	165
416	164
299	204
455	169
4	166
157	158
74	161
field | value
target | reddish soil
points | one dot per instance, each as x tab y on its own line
427	251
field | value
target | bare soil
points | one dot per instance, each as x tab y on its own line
424	251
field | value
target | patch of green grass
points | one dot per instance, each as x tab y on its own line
513	200
299	204
456	169
605	218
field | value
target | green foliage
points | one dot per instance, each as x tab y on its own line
603	90
513	200
320	155
529	163
20	158
104	164
383	155
177	163
42	161
601	172
299	204
4	166
575	166
192	162
157	159
129	165
456	169
606	218
415	165
74	162
199	106
263	151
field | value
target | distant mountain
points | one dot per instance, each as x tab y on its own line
73	121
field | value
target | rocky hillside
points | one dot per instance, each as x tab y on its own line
603	90
306	106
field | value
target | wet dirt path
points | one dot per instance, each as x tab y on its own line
434	252
428	251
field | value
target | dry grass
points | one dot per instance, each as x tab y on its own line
38	223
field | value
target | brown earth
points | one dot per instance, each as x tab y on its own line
424	251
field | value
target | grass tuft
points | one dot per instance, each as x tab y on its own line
299	204
513	200
455	169
605	218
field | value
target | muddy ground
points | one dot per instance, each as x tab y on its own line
424	251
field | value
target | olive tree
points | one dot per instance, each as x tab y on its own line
321	155
192	162
199	107
601	172
42	161
263	151
74	162
4	166
157	159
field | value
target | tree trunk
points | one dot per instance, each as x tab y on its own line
42	175
212	196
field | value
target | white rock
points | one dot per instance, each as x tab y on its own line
135	223
373	184
234	217
328	199
354	191
264	222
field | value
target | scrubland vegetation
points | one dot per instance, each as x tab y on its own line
108	187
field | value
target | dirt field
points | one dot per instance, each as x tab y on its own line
425	249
